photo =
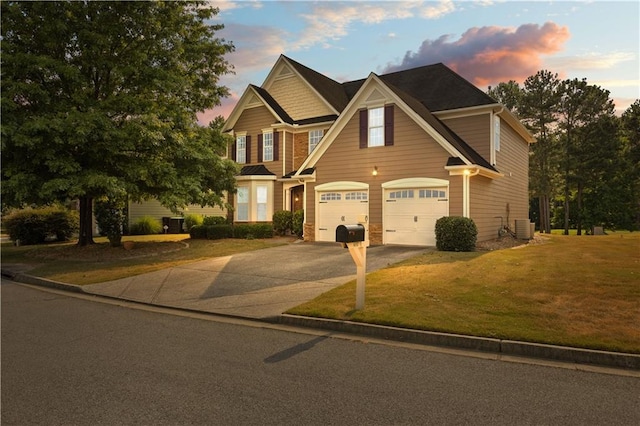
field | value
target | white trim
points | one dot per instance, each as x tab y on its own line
415	183
474	170
255	177
342	186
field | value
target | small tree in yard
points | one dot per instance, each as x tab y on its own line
102	97
110	218
454	233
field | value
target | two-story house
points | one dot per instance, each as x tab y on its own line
404	148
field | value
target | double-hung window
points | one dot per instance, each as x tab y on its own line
243	203
241	149
267	146
314	139
376	127
261	202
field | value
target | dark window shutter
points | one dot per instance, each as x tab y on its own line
260	148
248	150
276	147
388	125
233	151
364	128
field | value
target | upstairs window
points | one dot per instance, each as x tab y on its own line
241	149
376	127
267	146
314	139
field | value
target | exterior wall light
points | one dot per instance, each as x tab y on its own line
375	171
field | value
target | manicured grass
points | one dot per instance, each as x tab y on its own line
98	263
581	291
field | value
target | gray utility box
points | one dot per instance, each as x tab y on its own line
349	233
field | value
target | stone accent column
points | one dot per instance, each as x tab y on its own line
309	232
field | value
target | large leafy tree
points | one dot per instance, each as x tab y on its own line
101	98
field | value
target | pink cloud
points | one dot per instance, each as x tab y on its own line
489	55
224	109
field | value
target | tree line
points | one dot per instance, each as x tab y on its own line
584	168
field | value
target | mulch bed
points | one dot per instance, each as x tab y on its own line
506	242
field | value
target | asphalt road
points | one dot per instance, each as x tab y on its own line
72	361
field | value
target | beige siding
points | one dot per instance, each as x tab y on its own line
507	196
414	154
297	98
475	131
253	121
155	209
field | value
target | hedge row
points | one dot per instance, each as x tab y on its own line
243	231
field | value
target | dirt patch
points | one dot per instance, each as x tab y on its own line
103	252
506	242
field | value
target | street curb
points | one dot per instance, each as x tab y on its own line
498	346
431	338
30	279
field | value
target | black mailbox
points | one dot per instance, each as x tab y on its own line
349	233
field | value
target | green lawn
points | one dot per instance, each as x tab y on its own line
576	291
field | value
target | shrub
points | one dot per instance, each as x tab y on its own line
297	223
63	223
192	220
211	232
282	222
33	226
214	220
110	218
146	225
198	231
454	233
251	231
218	232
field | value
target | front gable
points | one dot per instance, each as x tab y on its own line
294	92
375	93
253	98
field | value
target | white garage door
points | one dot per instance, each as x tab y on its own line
339	208
410	215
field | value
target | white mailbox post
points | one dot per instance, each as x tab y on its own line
354	237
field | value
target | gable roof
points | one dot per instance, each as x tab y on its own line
443	135
422	91
436	86
332	91
456	141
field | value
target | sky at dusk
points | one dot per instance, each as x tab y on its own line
487	42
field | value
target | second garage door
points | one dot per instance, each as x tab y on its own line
410	215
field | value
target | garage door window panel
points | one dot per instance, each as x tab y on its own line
330	196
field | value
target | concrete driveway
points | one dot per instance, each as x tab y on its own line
257	284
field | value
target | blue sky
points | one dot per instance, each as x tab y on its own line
487	42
